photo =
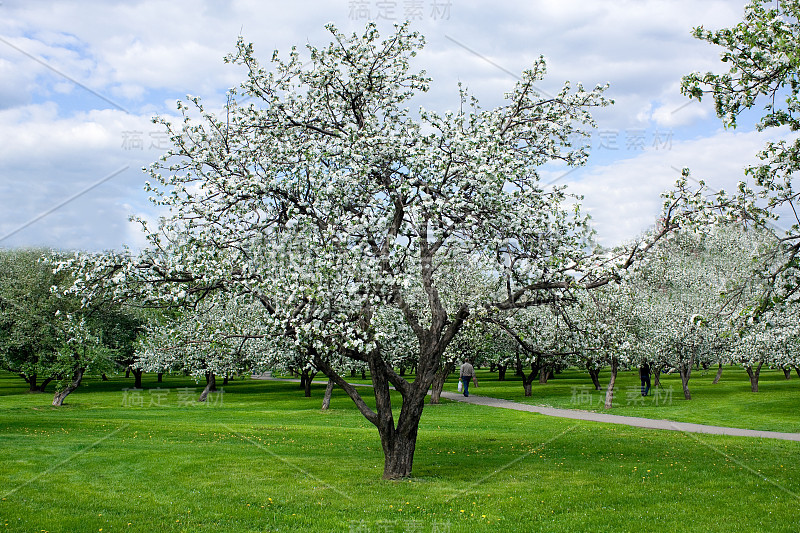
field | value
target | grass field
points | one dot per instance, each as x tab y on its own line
261	457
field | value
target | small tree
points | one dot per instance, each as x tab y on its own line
28	321
220	336
45	334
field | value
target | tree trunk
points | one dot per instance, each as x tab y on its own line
399	443
103	377
787	373
160	376
685	371
719	374
753	375
439	381
657	375
352	372
527	380
32	382
402	371
211	385
797	370
137	378
545	374
610	389
527	386
326	401
43	385
225	381
305	381
127	372
399	455
58	399
594	373
501	372
518	371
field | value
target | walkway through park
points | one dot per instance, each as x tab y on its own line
618	419
600	417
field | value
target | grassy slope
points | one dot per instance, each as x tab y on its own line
267	459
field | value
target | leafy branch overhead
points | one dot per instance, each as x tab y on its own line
763	56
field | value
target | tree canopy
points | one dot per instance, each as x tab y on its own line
763	56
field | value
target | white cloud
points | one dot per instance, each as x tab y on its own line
46	160
623	197
58	137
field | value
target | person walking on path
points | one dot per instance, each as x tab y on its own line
644	376
466	373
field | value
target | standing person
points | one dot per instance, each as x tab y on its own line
466	373
644	376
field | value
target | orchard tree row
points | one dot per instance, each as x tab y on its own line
690	303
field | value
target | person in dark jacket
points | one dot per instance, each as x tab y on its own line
644	376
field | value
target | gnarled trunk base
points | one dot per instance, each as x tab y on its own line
594	373
211	385
686	373
305	382
399	457
137	377
719	374
609	403
58	399
326	401
753	375
501	372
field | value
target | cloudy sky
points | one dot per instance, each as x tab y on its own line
80	81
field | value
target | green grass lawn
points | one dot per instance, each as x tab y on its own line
261	457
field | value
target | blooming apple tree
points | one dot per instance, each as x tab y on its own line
321	196
220	335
